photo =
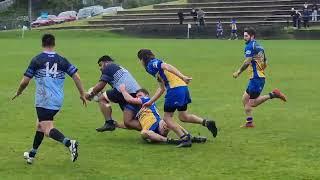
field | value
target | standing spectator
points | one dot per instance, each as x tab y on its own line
201	15
293	15
298	19
314	12
305	6
234	29
194	15
219	30
181	16
305	17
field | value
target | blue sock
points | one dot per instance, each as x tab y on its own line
249	119
66	142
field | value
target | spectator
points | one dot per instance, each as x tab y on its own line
305	6
181	16
234	29
219	30
293	15
194	15
200	17
314	12
306	17
297	19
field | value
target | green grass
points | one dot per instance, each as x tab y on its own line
284	145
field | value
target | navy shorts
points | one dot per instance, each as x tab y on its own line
177	99
255	87
116	97
46	114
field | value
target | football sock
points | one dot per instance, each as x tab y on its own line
204	122
58	136
272	95
38	137
249	119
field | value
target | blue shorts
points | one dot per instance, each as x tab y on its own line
233	31
177	99
255	87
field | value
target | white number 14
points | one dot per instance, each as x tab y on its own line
51	71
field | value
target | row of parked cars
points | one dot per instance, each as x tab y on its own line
67	16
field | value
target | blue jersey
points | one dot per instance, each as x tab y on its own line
48	70
149	118
170	79
116	75
258	63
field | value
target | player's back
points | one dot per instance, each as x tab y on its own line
170	79
48	69
148	116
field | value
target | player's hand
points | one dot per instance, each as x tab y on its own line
147	104
84	100
16	95
186	79
87	96
122	87
235	74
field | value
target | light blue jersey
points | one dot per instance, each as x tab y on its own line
48	69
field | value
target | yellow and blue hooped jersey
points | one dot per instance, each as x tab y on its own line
257	66
149	118
170	79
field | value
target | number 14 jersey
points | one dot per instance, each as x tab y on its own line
48	69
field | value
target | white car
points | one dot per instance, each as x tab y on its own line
112	10
90	11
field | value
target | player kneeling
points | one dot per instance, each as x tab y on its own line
153	128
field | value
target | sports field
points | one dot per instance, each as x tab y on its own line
284	144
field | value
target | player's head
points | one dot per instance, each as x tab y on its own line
249	34
142	93
103	60
145	55
48	41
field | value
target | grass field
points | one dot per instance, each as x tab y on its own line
284	145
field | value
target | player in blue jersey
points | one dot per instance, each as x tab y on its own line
256	63
154	129
114	75
177	96
48	69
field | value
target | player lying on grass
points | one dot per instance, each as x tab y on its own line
114	75
154	129
177	95
49	69
256	63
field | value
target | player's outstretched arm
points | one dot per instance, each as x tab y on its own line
128	97
175	71
77	81
23	84
96	89
244	66
157	95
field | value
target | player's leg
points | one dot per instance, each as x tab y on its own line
184	136
38	137
184	116
129	119
106	110
152	136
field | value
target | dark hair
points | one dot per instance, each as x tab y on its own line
48	40
145	55
143	91
105	58
251	31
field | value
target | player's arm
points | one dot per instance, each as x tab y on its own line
243	67
128	97
157	95
78	83
96	89
23	84
175	71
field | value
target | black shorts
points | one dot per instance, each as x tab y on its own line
116	97
46	114
173	109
